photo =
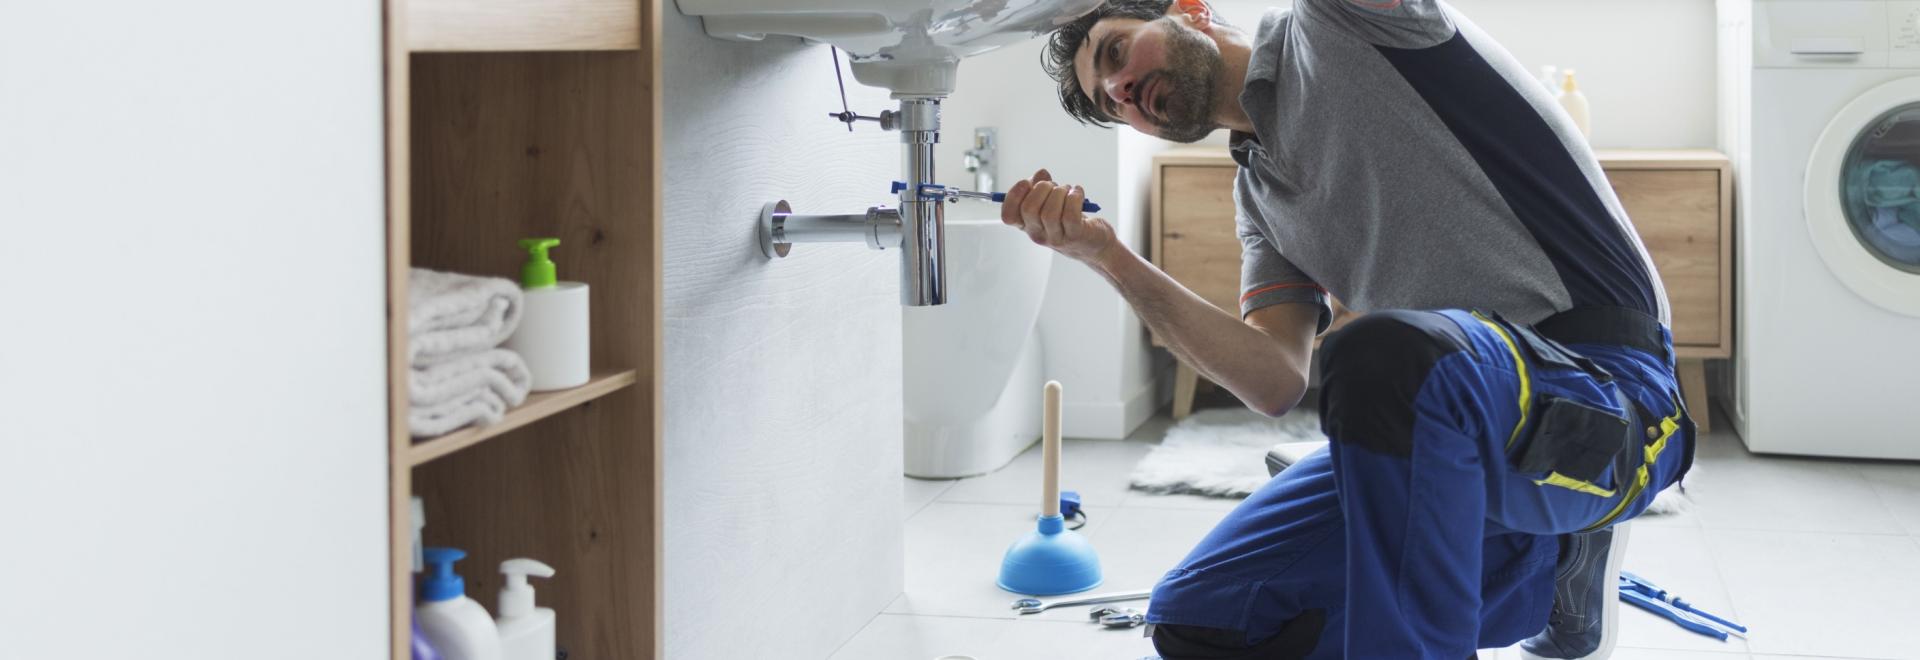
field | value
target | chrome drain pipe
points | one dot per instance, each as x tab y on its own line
918	227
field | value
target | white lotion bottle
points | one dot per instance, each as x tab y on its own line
1575	104
456	626
553	334
526	632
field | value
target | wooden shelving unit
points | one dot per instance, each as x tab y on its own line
516	118
522	25
538	406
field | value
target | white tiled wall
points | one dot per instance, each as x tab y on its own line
782	383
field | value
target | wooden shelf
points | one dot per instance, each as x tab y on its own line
516	118
1660	159
537	406
522	25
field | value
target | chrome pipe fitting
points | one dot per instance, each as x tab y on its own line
918	227
780	228
923	261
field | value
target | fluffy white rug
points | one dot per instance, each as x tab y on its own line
1221	452
1674	500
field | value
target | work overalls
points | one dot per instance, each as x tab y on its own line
1462	446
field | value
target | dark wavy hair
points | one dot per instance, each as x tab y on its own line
1066	42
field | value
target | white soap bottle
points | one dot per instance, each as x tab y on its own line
1575	104
553	336
526	632
456	626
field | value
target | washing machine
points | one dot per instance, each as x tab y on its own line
1820	104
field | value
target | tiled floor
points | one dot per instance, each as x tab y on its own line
1820	557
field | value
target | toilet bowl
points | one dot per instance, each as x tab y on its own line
973	366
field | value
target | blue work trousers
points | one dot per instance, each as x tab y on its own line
1418	534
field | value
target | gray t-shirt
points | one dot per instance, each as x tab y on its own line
1401	159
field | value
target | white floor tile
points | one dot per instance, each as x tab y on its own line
1899	487
1844	595
918	493
908	637
1813	554
898	637
1743	491
953	558
1687	519
1630	653
1803	657
1152	430
1097	469
1676	558
1049	640
1138	499
1139	545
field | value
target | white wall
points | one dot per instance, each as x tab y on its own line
1647	67
193	446
782	392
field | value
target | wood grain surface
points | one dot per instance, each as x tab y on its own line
1677	213
523	25
512	145
1197	236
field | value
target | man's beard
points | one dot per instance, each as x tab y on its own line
1193	72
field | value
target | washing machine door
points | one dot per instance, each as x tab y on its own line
1863	196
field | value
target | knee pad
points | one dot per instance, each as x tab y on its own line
1296	640
1374	369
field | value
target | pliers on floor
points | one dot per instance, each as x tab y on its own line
1637	591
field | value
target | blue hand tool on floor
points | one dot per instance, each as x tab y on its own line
937	191
1637	591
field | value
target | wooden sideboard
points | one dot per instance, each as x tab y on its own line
1680	202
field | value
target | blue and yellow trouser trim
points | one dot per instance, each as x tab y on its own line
1463	445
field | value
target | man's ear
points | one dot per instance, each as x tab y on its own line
1196	13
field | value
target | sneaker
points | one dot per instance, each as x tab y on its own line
1585	601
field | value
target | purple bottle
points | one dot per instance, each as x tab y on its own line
421	649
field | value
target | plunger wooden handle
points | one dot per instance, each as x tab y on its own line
1050	449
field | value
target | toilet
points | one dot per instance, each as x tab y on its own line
973	366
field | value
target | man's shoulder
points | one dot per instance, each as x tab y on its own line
1390	23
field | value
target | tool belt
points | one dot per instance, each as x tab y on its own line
1574	444
1607	325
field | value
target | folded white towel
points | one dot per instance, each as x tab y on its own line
449	314
478	387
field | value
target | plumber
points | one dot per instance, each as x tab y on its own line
1507	397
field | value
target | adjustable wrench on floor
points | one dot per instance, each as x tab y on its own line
1036	606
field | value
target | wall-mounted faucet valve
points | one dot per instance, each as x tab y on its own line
983	160
886	119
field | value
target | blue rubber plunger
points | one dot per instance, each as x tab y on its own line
1052	559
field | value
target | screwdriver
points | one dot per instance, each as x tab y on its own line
937	191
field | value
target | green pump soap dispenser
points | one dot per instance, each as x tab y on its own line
553	337
538	272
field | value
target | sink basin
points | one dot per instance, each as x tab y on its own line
911	47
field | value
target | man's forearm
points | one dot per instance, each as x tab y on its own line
1256	367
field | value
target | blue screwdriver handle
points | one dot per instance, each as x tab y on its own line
1085	206
999	197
